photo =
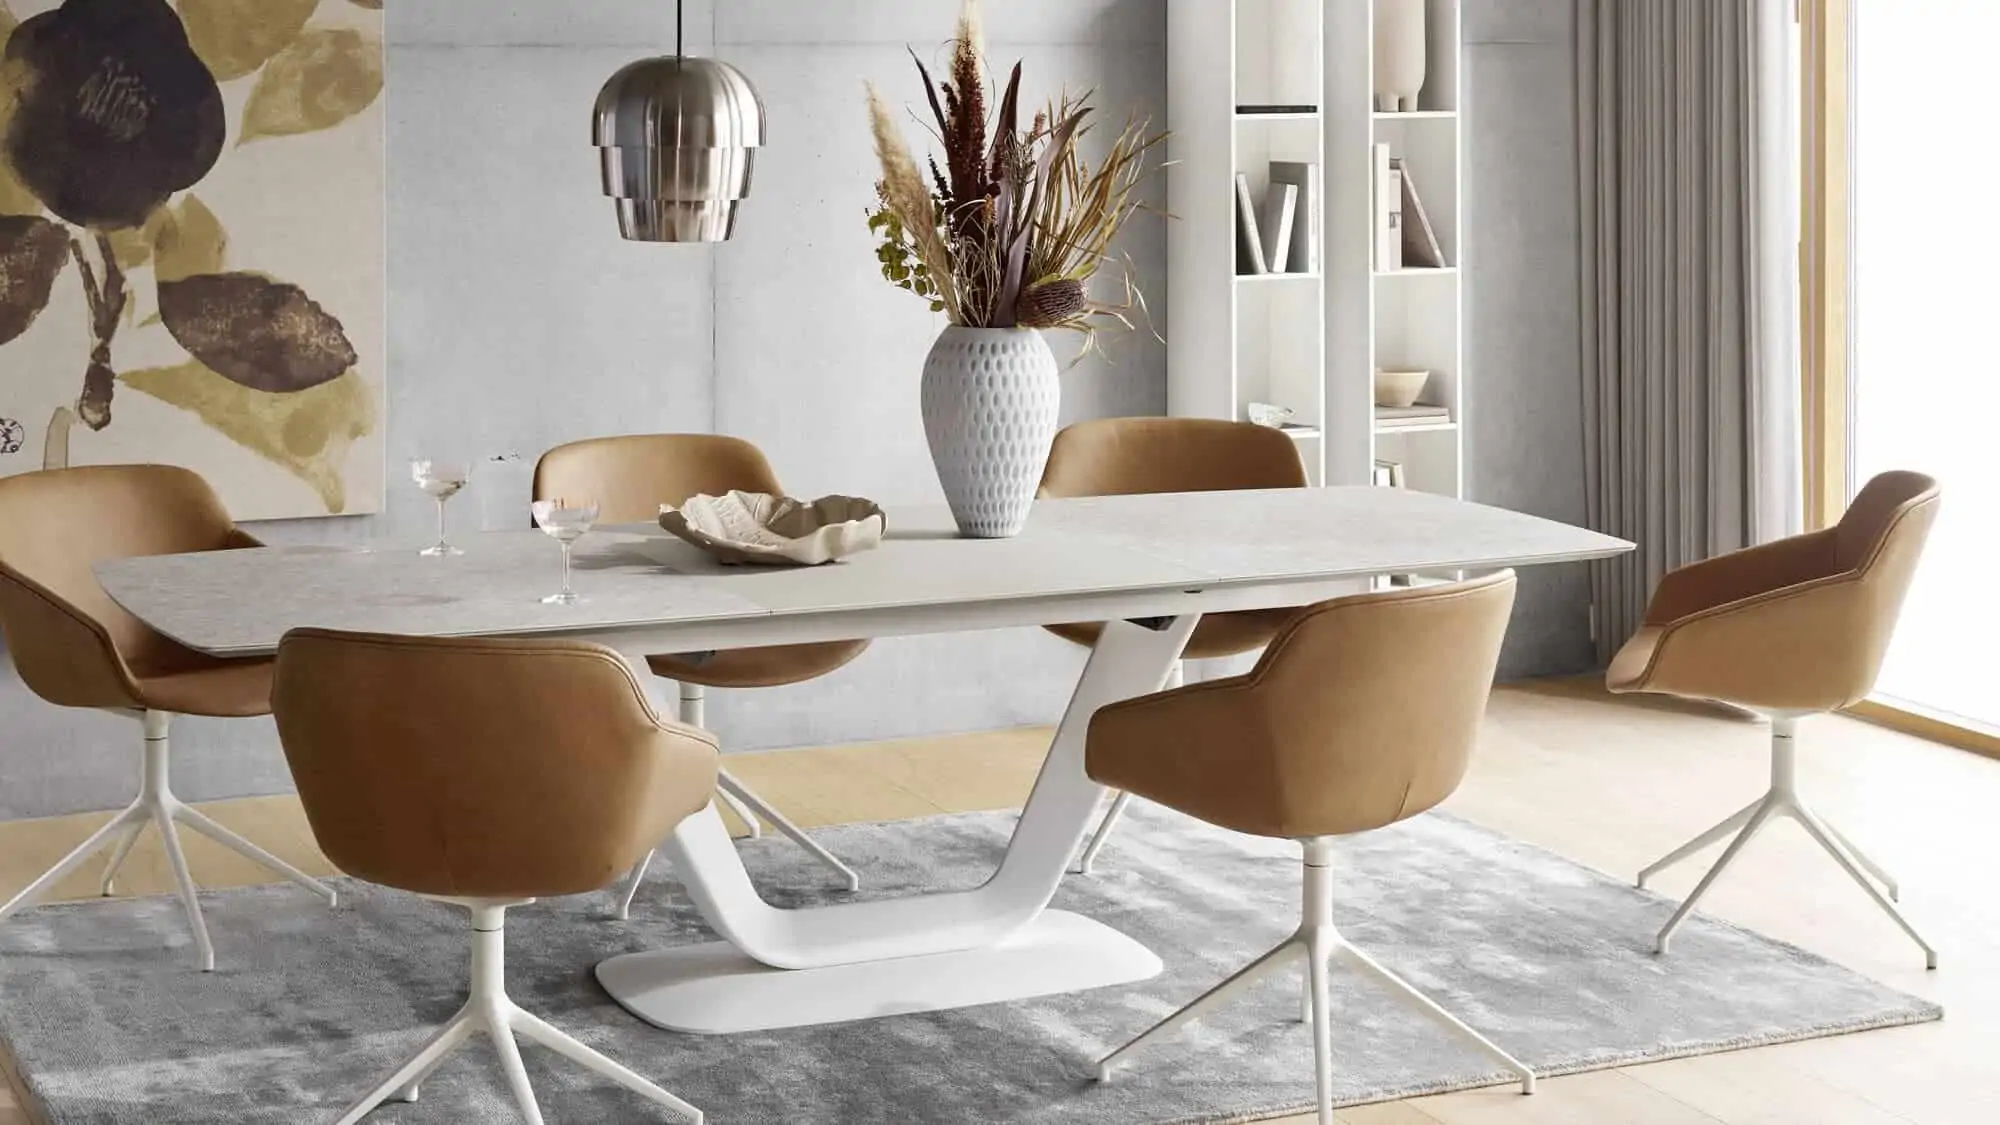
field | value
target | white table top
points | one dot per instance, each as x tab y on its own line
644	590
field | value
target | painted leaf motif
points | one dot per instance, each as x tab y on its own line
15	199
263	334
33	252
235	37
189	241
325	77
307	434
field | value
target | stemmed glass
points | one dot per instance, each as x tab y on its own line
565	521
441	480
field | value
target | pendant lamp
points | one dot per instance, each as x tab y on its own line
677	137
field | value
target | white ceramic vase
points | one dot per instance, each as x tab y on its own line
990	399
1399	54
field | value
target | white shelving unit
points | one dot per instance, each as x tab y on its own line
1239	338
1312	341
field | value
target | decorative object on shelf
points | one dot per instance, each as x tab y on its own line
1003	238
1267	414
1281	205
1266	110
1249	237
1304	255
677	138
1415	417
755	527
1399	387
159	166
1388	197
1420	242
1388	474
1399	54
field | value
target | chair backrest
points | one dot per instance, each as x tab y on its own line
72	644
481	768
1124	456
631	476
1881	539
1362	711
1374	702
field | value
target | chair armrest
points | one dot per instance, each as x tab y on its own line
1741	575
1169	738
240	540
63	655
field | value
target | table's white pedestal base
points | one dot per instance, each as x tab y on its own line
714	989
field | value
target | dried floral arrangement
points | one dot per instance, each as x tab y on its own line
1010	230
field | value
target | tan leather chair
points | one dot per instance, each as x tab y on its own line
1129	456
75	647
1362	712
630	477
1788	629
487	774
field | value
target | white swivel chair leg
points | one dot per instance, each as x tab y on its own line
1860	857
727	783
489	1010
1318	942
1782	800
129	837
199	821
156	805
134	817
1819	831
735	804
1087	862
1727	828
632	882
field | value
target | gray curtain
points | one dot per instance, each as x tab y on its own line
1681	399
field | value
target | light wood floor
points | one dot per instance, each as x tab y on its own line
1609	783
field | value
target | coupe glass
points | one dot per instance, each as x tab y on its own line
565	521
441	480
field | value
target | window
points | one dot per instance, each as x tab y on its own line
1899	317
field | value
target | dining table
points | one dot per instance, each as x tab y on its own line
1149	565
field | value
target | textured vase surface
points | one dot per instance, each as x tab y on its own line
990	399
1399	54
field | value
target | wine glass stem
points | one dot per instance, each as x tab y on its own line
441	544
566	590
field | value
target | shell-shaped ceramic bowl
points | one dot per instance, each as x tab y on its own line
754	527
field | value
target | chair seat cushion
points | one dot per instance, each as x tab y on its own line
768	666
1218	635
201	685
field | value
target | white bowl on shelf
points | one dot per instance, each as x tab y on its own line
1399	387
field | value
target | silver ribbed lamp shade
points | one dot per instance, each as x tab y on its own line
678	137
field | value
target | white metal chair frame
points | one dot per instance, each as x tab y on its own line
157	805
1318	943
1782	800
488	1009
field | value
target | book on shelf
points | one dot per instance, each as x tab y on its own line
1249	244
1420	243
1388	212
1260	109
1304	257
1410	417
1281	205
1407	417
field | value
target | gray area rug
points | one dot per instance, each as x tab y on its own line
110	1025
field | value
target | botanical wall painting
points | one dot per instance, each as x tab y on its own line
191	261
